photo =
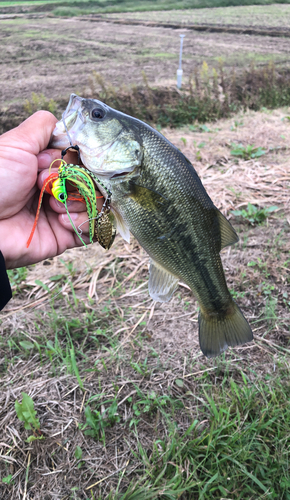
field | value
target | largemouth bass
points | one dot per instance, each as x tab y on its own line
159	198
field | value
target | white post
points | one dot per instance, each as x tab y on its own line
179	71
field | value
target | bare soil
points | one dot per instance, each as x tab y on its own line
275	16
54	56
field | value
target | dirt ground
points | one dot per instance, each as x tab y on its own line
55	56
263	16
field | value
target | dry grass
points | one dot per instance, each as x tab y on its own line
232	184
93	306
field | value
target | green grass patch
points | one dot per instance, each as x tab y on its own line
241	452
78	7
254	215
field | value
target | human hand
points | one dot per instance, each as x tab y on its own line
24	164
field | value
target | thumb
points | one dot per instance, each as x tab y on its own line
33	134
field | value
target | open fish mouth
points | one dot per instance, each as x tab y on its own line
72	122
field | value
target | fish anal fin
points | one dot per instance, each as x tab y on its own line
228	235
162	284
219	331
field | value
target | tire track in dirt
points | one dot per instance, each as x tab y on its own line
210	28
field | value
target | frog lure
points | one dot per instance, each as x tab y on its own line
101	226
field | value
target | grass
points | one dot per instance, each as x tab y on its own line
234	454
79	7
225	434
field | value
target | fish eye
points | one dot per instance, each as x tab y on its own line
98	113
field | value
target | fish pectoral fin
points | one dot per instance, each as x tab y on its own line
217	332
162	284
121	226
227	233
146	197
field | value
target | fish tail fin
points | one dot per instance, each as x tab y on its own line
217	332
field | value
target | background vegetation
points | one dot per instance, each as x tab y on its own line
210	95
79	7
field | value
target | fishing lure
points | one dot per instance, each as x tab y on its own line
100	224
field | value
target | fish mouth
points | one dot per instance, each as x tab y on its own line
72	122
121	174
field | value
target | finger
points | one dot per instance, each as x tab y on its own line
73	206
33	134
80	221
46	157
43	176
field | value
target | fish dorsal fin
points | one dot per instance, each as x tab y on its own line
162	284
228	235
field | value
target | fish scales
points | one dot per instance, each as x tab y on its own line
158	197
175	240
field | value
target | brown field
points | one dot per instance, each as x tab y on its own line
57	56
263	16
95	304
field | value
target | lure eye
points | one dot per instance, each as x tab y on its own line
98	113
61	196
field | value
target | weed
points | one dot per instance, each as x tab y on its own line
150	403
270	308
98	420
37	102
253	214
200	101
263	269
141	368
237	123
237	294
204	128
286	299
247	152
78	453
16	277
8	479
26	413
